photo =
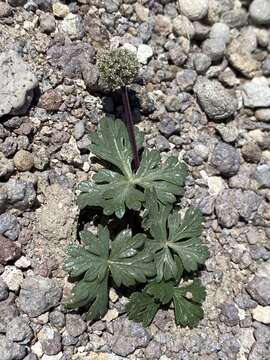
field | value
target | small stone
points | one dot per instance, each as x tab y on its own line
111	314
263	115
185	79
57	319
9	226
262	176
3	290
13	277
261	314
229	314
8	250
145	52
75	326
16	84
251	152
23	263
256	93
216	101
141	11
228	133
19	331
51	100
163	25
73	26
23	160
50	340
202	62
216	185
10	350
37	349
259	290
111	5
47	23
8	312
183	27
225	159
38	295
259	11
6	166
194	10
5	10
60	10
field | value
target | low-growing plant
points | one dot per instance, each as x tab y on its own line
152	258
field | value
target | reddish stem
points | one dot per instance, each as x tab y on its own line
130	127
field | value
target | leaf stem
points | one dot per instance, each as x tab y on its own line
130	127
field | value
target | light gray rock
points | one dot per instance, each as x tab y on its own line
73	26
262	176
7	314
60	211
183	27
259	290
10	350
17	82
128	336
194	10
233	204
216	101
38	295
9	226
13	277
18	194
256	93
259	11
6	166
19	331
47	23
225	159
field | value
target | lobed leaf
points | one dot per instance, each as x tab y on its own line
120	188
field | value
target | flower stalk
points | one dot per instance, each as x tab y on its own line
130	128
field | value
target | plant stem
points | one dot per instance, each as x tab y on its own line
130	127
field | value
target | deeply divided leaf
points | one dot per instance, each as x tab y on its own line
186	300
175	239
118	188
127	261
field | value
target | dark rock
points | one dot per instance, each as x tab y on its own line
251	152
51	100
10	350
50	340
9	226
75	326
3	290
19	331
9	250
225	159
57	319
229	314
7	314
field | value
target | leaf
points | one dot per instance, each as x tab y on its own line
176	243
130	260
187	301
127	261
119	188
187	304
142	308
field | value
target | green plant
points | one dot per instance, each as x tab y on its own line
153	258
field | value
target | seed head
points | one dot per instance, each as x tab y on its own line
118	67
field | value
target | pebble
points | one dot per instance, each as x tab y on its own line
9	226
23	263
19	331
75	326
145	52
9	250
259	290
6	166
10	350
72	25
183	27
261	314
259	11
5	10
13	277
50	340
163	25
60	10
263	115
262	176
256	93
23	160
47	23
225	159
216	101
251	152
38	295
194	10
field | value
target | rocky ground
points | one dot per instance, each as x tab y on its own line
203	94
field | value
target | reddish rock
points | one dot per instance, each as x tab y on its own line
51	100
9	250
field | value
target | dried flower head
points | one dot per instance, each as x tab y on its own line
118	67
